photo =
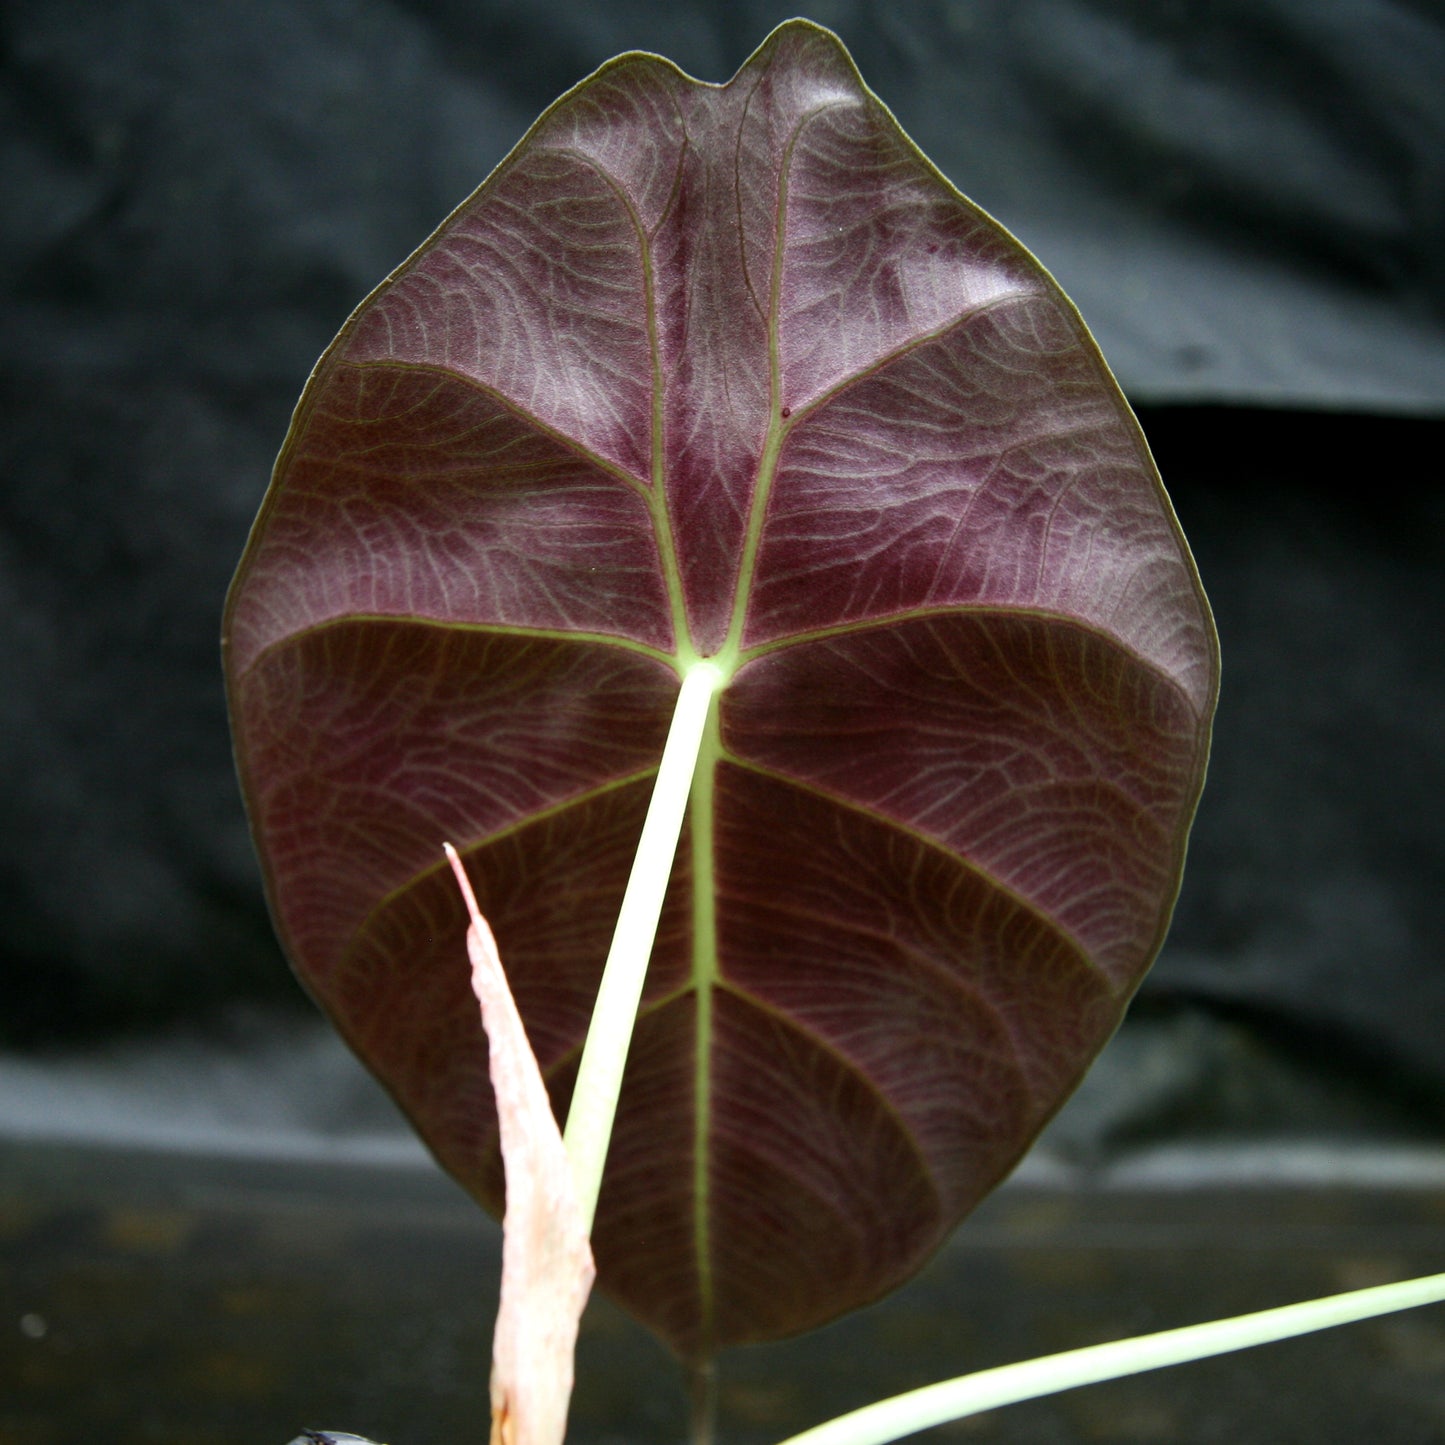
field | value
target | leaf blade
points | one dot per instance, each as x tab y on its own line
752	383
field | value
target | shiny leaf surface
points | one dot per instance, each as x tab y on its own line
728	372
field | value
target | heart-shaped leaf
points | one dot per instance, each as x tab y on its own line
728	372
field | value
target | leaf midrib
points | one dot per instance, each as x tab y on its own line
702	801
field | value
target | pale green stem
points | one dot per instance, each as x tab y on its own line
599	1075
988	1389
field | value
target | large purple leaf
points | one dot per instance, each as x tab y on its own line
728	372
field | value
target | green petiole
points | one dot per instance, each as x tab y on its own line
988	1389
604	1055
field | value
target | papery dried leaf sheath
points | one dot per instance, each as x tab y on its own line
547	1268
729	372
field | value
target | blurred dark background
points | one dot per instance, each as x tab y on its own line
1247	200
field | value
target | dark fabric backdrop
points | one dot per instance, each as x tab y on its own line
1247	200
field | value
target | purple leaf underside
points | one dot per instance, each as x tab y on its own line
728	372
